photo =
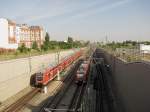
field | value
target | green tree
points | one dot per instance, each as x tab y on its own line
47	37
70	40
34	45
23	48
45	45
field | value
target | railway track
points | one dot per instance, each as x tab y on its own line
76	100
53	102
22	101
104	100
74	103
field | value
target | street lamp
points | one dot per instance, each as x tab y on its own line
29	58
57	61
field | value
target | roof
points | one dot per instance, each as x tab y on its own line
11	22
36	27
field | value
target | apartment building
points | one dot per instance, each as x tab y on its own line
7	34
36	34
13	35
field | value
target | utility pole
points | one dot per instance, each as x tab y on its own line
106	39
30	67
57	54
57	61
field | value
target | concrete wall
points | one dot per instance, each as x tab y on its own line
15	74
132	82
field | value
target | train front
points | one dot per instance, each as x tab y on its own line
79	75
39	79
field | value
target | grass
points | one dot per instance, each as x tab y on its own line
129	57
146	57
17	54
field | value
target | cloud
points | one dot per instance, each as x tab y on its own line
101	9
58	10
61	12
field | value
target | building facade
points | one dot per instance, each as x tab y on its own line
36	34
7	34
145	48
13	35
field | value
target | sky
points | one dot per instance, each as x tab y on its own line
93	20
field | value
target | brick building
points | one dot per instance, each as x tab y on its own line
13	35
36	34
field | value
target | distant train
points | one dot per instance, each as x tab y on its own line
82	72
43	78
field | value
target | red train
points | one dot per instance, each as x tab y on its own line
42	78
82	72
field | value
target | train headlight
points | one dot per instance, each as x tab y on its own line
79	75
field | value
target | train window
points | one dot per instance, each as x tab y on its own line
80	72
39	76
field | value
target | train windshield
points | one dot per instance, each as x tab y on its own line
39	76
81	68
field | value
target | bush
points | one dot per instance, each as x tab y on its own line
23	48
5	51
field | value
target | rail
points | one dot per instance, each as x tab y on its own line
52	104
104	97
22	101
79	98
98	96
